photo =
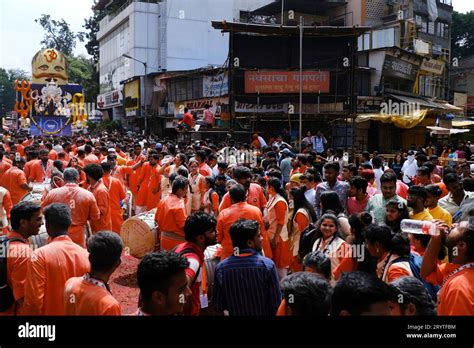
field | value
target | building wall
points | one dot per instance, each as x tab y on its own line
134	31
357	7
376	60
189	40
171	35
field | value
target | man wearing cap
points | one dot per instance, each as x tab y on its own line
295	180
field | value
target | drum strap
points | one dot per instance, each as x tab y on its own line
172	235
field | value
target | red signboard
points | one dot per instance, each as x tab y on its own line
286	81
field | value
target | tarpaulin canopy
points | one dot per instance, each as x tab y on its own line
401	121
462	123
445	131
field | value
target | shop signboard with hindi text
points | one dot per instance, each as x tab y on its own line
399	68
267	82
433	66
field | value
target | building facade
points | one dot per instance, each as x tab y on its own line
171	35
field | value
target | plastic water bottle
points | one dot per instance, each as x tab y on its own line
419	227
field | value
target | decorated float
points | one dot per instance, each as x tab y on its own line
49	105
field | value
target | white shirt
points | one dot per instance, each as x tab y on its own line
409	169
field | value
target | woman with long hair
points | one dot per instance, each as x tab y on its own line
364	261
277	219
391	250
397	165
197	186
211	198
169	168
330	202
329	241
303	215
395	212
74	163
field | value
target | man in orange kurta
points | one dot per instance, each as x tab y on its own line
133	178
94	175
26	222
81	202
119	172
255	194
53	264
4	166
116	195
149	182
239	210
171	215
40	171
90	156
90	294
15	182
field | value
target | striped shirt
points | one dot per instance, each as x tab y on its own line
247	285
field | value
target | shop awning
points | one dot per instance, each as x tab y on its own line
462	123
426	103
452	108
445	131
412	100
401	121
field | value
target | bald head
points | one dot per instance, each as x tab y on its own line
460	243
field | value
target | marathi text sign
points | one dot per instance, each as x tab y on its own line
261	108
286	82
400	68
433	66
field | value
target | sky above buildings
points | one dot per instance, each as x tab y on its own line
20	35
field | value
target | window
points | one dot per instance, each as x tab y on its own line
442	29
385	38
421	23
363	42
431	27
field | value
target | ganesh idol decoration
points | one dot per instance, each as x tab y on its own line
50	101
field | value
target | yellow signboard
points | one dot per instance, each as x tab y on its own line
131	97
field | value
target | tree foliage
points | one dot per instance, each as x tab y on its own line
82	71
58	34
462	34
92	26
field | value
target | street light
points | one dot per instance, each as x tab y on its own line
144	88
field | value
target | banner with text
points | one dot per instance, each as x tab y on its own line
286	82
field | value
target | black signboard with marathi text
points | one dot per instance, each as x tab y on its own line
400	68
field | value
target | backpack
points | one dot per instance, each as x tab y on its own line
6	293
307	239
415	266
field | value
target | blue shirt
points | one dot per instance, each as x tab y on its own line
285	167
247	285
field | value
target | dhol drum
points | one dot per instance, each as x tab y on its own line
140	234
36	193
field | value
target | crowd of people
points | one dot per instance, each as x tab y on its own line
312	231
